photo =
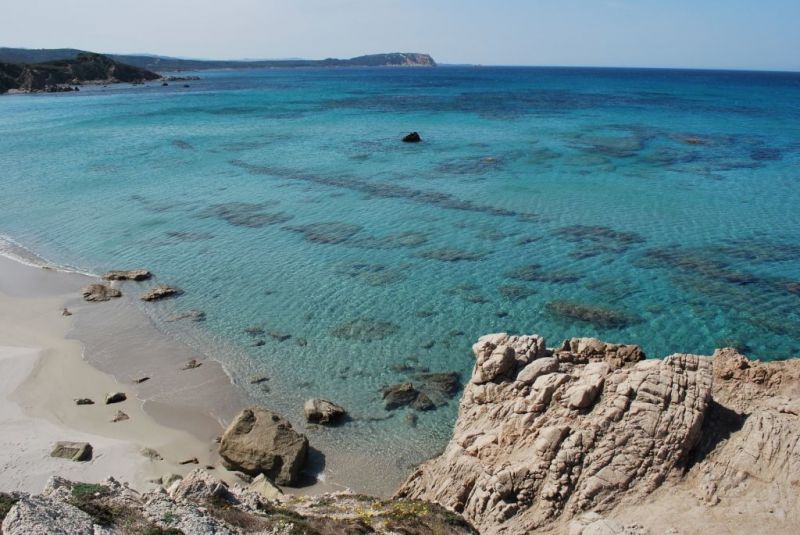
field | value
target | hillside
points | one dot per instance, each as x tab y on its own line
56	75
163	63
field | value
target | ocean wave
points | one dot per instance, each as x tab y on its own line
13	250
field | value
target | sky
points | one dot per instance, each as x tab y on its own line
726	34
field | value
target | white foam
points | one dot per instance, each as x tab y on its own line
13	250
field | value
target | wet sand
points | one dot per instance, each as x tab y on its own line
48	360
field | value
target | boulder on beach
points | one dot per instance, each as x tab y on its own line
95	293
413	137
74	451
322	411
162	291
129	275
115	397
84	401
258	441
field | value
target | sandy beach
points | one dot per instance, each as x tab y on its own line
43	371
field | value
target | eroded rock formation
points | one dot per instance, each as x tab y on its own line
546	438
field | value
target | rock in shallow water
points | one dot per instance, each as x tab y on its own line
322	411
161	291
396	396
95	293
258	441
130	275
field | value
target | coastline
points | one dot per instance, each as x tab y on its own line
44	369
48	360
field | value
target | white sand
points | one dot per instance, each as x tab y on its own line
41	374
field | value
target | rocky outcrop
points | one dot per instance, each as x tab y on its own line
413	137
99	292
129	275
545	436
258	441
322	411
42	515
62	74
201	504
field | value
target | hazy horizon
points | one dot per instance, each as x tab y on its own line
738	34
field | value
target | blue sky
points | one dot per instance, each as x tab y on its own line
749	34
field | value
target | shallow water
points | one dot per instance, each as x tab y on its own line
651	207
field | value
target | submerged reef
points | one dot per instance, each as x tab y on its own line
244	214
365	330
597	316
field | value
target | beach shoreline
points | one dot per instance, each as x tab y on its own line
45	369
110	346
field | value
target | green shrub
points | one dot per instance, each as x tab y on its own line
7	501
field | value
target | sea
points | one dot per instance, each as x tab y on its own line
320	256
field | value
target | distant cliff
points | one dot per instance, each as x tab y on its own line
163	63
59	74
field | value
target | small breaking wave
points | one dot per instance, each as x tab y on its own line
13	250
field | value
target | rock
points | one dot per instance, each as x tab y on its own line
66	312
439	386
411	419
140	380
279	336
74	451
120	417
423	403
244	477
259	441
399	395
43	515
131	275
199	486
169	478
413	137
116	397
538	367
265	488
498	363
95	293
192	364
255	331
258	380
151	454
191	315
160	292
321	411
527	452
202	504
84	401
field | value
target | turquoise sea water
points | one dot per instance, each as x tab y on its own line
652	207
